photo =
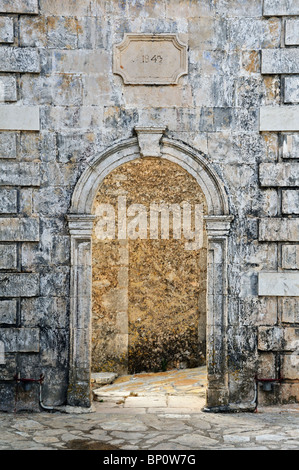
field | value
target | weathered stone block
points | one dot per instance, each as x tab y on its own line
20	339
290	366
292	32
270	338
6	29
253	35
8	201
81	61
290	309
33	31
13	229
276	229
7	145
47	312
278	284
19	6
8	88
281	7
8	312
290	201
291	89
291	339
279	174
290	256
19	284
8	256
279	118
21	174
19	59
291	146
23	118
280	61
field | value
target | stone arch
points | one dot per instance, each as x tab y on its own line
150	142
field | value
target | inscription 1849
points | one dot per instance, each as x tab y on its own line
143	59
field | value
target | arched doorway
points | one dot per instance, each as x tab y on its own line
150	142
149	269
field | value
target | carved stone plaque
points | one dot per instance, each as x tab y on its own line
144	59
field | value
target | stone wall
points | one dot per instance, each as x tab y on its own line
61	104
149	294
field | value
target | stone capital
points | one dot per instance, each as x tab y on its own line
80	225
218	225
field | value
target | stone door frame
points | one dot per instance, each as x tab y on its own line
150	142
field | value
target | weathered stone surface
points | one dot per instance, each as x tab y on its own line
24	118
290	147
291	339
276	229
290	201
20	339
292	32
290	366
19	284
17	59
8	312
282	118
8	201
7	145
290	309
290	256
6	29
13	229
278	284
270	338
281	7
280	61
19	6
21	174
8	256
8	88
279	174
291	89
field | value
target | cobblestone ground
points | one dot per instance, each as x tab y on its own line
151	428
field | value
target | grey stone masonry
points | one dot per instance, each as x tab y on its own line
292	32
279	118
8	201
279	284
19	6
290	201
290	146
290	256
13	229
278	61
19	284
291	89
24	118
20	339
21	174
17	59
8	312
8	256
6	29
8	145
281	7
8	88
278	229
279	174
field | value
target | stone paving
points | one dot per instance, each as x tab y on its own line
160	422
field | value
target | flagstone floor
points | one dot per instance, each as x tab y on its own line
188	383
